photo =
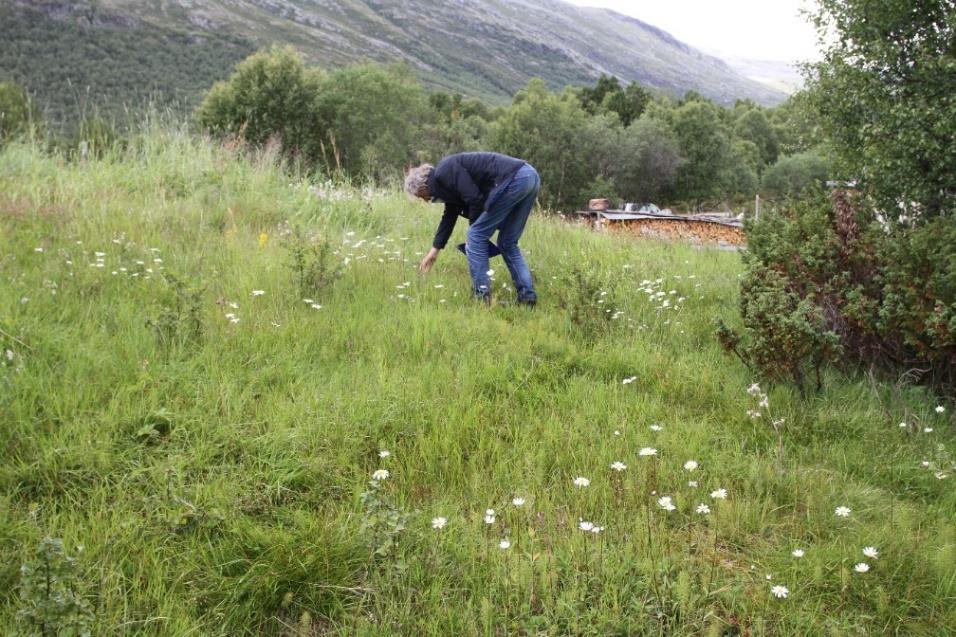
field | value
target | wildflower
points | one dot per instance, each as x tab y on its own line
234	306
504	545
628	381
384	453
666	503
940	475
439	522
764	402
581	482
780	592
797	553
647	451
489	516
618	466
690	465
925	463
862	567
940	409
703	509
597	529
517	502
902	425
617	432
655	428
842	512
316	306
692	484
871	552
38	249
380	474
9	354
258	292
754	389
719	494
584	525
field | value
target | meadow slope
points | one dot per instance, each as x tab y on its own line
170	402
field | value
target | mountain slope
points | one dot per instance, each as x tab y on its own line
485	48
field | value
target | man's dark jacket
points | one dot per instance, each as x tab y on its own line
466	183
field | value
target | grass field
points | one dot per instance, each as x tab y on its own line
172	404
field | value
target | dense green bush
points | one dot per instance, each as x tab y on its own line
270	95
793	175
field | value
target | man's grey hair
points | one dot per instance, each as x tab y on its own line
416	181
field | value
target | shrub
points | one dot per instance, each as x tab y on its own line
271	94
831	282
794	175
16	111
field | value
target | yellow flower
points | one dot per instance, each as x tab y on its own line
263	240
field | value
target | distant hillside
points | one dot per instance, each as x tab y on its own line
782	76
485	48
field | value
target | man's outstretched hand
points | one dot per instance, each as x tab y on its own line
428	261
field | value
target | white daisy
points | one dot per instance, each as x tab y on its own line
439	522
628	381
581	481
504	545
655	428
584	525
647	451
940	409
862	567
692	484
842	512
703	509
666	503
797	553
618	466
780	592
871	552
258	292
384	453
380	474
691	465
517	502
719	494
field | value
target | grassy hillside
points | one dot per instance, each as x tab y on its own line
126	50
211	447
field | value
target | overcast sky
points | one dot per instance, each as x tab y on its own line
757	29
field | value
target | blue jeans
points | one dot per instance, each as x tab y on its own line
507	214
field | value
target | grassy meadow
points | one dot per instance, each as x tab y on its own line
206	358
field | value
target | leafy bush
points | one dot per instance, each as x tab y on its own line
793	175
270	95
49	593
826	282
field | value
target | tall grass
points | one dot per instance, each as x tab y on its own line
218	471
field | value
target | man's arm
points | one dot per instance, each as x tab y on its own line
445	228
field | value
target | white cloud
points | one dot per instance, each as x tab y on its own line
754	29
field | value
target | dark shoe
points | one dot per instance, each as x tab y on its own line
529	301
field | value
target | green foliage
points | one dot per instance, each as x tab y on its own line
647	161
371	118
52	604
86	60
270	95
313	263
785	336
884	93
794	175
706	148
383	523
178	320
919	295
608	96
17	114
